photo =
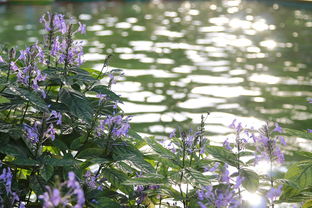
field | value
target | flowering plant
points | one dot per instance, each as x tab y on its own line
66	143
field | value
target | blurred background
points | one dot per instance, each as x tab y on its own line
249	60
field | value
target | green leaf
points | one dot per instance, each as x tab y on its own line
307	204
301	134
14	150
91	153
117	178
47	172
251	179
62	162
147	179
104	90
77	104
105	202
301	173
163	152
24	162
77	143
223	155
133	156
30	96
4	100
195	177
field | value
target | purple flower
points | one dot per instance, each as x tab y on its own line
115	124
172	134
274	193
32	133
13	66
239	181
278	128
215	167
225	176
310	100
56	115
6	177
50	132
227	145
309	130
53	196
82	28
1	60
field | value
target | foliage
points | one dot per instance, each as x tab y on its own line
66	143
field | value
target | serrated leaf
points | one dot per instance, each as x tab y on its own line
47	172
117	179
91	153
301	173
105	202
32	97
163	152
14	150
132	155
147	179
24	162
77	104
104	90
223	155
251	179
62	162
297	133
195	177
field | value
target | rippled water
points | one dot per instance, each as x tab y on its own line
236	59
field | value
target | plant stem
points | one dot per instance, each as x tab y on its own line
24	114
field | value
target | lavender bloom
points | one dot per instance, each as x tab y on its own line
82	28
57	22
53	197
309	130
6	178
56	115
172	134
116	124
32	133
13	66
227	145
50	132
1	60
274	193
215	167
29	75
310	100
225	176
278	128
268	147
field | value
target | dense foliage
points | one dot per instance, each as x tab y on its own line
66	143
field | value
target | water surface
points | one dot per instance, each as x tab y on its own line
236	59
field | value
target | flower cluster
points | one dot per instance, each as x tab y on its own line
221	195
6	179
116	126
54	197
267	146
33	132
93	181
62	48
